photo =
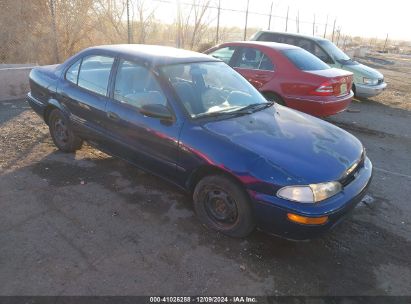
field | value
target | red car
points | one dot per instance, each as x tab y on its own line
289	75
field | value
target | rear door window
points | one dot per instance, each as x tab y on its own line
304	60
95	73
306	45
254	59
270	37
290	40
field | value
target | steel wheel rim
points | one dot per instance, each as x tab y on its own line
60	131
221	208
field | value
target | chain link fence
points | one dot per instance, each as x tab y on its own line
49	31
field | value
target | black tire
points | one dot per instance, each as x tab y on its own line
62	134
274	97
222	205
354	90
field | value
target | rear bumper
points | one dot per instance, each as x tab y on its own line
362	90
320	107
36	105
271	211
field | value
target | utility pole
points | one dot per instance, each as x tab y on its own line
325	30
385	43
246	20
338	37
297	21
54	26
218	21
286	21
332	39
178	42
128	23
269	19
314	26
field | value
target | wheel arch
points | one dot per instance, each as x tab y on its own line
53	104
207	170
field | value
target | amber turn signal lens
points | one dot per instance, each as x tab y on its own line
307	220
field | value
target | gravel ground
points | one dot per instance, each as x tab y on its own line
89	224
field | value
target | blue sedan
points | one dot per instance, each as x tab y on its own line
192	120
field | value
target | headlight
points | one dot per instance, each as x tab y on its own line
311	193
370	81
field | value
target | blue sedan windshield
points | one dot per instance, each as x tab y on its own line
210	87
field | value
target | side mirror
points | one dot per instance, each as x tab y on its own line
156	111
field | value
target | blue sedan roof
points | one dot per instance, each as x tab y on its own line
155	55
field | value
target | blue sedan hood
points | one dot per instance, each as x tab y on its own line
302	147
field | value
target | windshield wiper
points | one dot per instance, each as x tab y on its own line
217	113
242	111
255	107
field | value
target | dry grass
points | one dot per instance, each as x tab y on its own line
397	73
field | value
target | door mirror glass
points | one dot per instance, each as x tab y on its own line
156	111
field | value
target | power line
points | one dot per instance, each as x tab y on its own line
236	11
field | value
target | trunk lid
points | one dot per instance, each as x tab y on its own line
335	82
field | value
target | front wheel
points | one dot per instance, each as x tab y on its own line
224	206
62	134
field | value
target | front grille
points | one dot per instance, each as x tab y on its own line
351	176
380	81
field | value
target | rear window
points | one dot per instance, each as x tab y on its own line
304	60
273	38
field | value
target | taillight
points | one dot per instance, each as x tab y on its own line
325	89
337	87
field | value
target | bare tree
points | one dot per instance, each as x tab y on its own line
201	21
110	15
24	36
52	7
145	18
192	22
74	24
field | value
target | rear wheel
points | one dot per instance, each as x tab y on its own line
224	206
354	90
270	96
62	134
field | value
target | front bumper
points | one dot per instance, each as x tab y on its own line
362	90
271	211
320	106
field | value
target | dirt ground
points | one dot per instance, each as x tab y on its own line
90	224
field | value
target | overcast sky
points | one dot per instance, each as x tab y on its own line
367	18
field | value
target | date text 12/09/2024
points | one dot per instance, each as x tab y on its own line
235	299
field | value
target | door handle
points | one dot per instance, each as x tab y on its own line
113	116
